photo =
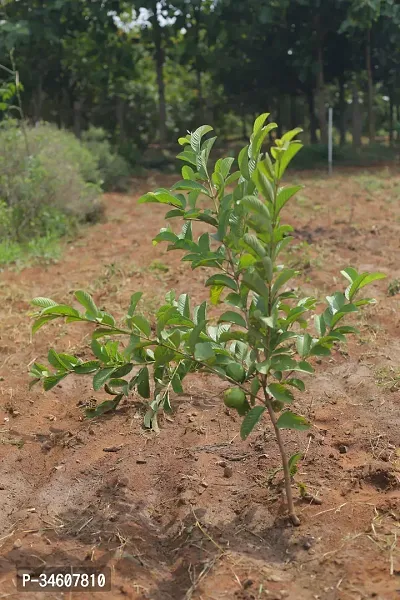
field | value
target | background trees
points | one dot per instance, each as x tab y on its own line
143	69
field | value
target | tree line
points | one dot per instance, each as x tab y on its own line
146	70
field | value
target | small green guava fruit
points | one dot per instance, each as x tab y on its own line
236	398
235	372
277	405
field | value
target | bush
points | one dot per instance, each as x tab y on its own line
114	169
47	187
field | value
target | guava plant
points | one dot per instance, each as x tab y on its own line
263	339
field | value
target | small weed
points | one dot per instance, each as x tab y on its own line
388	378
394	287
159	267
370	183
46	249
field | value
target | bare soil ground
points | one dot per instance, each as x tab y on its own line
159	510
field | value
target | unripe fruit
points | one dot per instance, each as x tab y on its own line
235	372
277	405
234	397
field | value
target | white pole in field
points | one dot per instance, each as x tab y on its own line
330	140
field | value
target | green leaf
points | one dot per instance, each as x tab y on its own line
38	323
289	135
363	280
102	377
251	420
134	302
223	166
289	420
297	383
243	161
55	360
161	197
43	302
61	310
304	366
87	302
142	324
52	381
222	280
87	367
320	325
286	158
303	344
104	407
350	273
122	370
254	389
319	350
280	392
195	334
184	305
182	141
188	173
284	196
39	371
163	355
282	362
251	241
204	351
231	316
143	383
256	284
259	122
284	276
177	384
188	156
99	351
263	184
293	460
196	137
190	185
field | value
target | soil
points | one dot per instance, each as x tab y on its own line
194	512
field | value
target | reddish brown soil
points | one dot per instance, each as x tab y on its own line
159	511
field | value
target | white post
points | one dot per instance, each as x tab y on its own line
330	140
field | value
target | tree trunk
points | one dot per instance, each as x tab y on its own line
323	125
371	116
38	101
391	108
398	122
197	16
357	120
293	112
200	96
244	124
342	111
120	117
77	109
159	59
313	121
278	130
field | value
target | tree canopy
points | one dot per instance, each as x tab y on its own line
143	69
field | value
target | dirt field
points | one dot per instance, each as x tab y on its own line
159	509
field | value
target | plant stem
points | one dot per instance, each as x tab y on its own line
285	463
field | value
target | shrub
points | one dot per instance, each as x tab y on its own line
262	344
43	192
114	169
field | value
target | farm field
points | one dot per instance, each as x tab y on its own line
194	512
